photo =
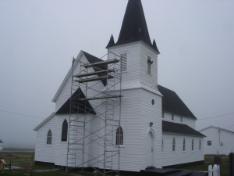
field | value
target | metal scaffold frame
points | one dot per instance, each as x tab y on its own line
108	100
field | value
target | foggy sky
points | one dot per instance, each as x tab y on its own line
38	39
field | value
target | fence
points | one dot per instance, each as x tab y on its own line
214	170
231	161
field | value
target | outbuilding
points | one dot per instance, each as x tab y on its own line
218	141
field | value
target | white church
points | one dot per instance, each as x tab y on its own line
112	114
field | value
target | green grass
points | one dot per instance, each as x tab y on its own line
25	161
210	160
21	159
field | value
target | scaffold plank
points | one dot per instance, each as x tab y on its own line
95	79
110	61
98	98
94	73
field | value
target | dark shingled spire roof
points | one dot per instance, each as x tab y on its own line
155	46
134	27
111	42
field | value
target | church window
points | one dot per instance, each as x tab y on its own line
123	58
153	101
173	144
192	144
49	137
64	131
149	65
209	143
184	144
200	144
172	117
162	147
119	136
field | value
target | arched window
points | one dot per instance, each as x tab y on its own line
49	137
119	136
64	131
173	144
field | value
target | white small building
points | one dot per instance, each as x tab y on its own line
154	126
1	145
218	141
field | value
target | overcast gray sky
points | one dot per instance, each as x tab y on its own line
38	39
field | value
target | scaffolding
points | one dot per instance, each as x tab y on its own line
101	84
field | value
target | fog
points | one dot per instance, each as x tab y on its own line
38	39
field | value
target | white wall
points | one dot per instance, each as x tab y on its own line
136	74
179	119
139	150
170	157
222	141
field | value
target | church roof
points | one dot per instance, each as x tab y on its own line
172	103
134	27
178	128
78	106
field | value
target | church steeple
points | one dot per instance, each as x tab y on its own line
134	26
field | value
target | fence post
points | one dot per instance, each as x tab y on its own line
216	170
210	170
231	161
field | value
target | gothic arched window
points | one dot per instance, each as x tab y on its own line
64	131
49	137
119	136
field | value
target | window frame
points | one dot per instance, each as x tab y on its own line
119	136
64	131
149	65
173	144
200	144
184	144
49	137
162	145
209	143
192	144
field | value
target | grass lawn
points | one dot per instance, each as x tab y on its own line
210	160
25	161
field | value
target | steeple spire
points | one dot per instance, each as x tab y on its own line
134	27
111	42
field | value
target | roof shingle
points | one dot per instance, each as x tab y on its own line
178	128
172	103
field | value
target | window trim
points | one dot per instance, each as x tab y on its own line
49	137
162	145
200	144
119	136
184	144
64	131
192	144
209	143
149	65
173	144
